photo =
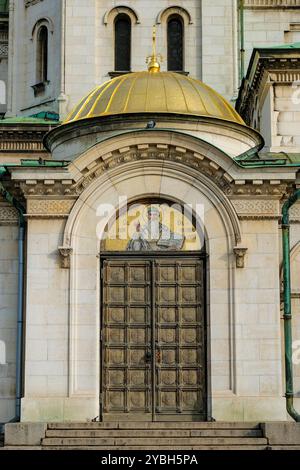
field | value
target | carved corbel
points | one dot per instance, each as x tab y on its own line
65	255
240	254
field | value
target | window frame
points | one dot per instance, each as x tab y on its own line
180	19
42	55
119	17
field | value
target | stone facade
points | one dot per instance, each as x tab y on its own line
196	160
269	97
245	372
8	310
268	24
84	35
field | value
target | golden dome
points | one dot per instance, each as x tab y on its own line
148	92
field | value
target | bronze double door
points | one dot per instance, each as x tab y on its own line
153	354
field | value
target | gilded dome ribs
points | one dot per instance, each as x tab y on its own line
161	92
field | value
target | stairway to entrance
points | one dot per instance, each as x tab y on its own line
154	436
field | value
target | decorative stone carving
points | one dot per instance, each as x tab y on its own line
190	159
8	215
65	255
256	209
115	159
240	254
295	214
3	50
49	208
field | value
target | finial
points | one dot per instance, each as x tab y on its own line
154	60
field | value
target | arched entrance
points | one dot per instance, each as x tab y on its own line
153	315
167	181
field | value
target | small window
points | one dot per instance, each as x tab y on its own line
42	55
122	43
175	44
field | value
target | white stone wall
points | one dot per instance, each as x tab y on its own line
47	328
279	120
22	57
287	119
220	46
8	319
258	347
268	27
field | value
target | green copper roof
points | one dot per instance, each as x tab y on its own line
4	6
47	115
294	45
268	159
282	156
26	120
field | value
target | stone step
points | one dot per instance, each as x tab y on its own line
149	433
159	448
156	425
166	442
27	448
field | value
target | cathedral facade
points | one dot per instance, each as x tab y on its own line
149	224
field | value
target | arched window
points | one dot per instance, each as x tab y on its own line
122	43
42	55
175	43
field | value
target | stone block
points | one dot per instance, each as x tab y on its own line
280	433
24	434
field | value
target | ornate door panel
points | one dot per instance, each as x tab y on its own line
126	340
180	342
153	339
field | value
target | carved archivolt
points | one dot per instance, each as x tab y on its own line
153	152
171	153
168	169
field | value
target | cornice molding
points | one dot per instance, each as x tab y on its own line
22	138
271	4
47	188
267	68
